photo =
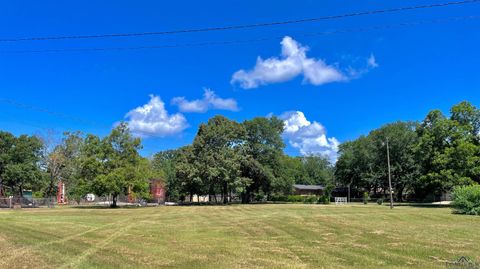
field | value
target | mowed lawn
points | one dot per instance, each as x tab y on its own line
237	236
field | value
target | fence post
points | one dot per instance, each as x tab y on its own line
10	202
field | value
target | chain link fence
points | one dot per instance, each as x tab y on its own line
107	201
22	202
87	201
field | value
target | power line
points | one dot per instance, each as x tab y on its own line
244	41
245	26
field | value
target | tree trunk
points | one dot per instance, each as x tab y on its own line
400	194
225	193
243	194
114	200
246	196
51	186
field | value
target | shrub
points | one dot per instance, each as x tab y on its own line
260	197
301	199
466	200
310	200
365	197
324	199
294	198
380	201
279	198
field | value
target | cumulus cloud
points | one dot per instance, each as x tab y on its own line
310	138
209	101
291	64
152	119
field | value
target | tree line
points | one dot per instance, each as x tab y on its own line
229	159
242	160
246	161
428	158
85	163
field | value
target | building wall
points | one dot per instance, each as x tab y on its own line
157	191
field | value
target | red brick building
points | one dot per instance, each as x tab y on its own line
158	191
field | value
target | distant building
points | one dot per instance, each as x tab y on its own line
308	189
158	190
61	193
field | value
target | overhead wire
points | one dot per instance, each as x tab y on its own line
251	40
244	26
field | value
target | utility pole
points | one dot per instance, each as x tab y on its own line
389	177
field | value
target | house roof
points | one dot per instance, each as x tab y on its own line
308	187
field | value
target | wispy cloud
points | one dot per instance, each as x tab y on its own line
209	101
372	62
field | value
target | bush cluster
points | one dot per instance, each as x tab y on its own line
278	198
302	199
306	199
466	200
366	197
324	199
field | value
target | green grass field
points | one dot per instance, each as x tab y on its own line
237	236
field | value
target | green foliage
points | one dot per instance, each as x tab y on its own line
212	164
164	164
363	162
262	149
366	197
231	158
324	199
19	162
108	166
306	199
279	198
428	158
380	201
448	150
466	200
317	171
121	166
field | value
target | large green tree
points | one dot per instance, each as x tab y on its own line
262	150
122	169
218	148
19	162
448	150
363	162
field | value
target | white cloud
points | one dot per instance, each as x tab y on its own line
372	62
291	64
152	119
294	62
209	101
310	138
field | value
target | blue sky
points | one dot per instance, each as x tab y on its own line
329	79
